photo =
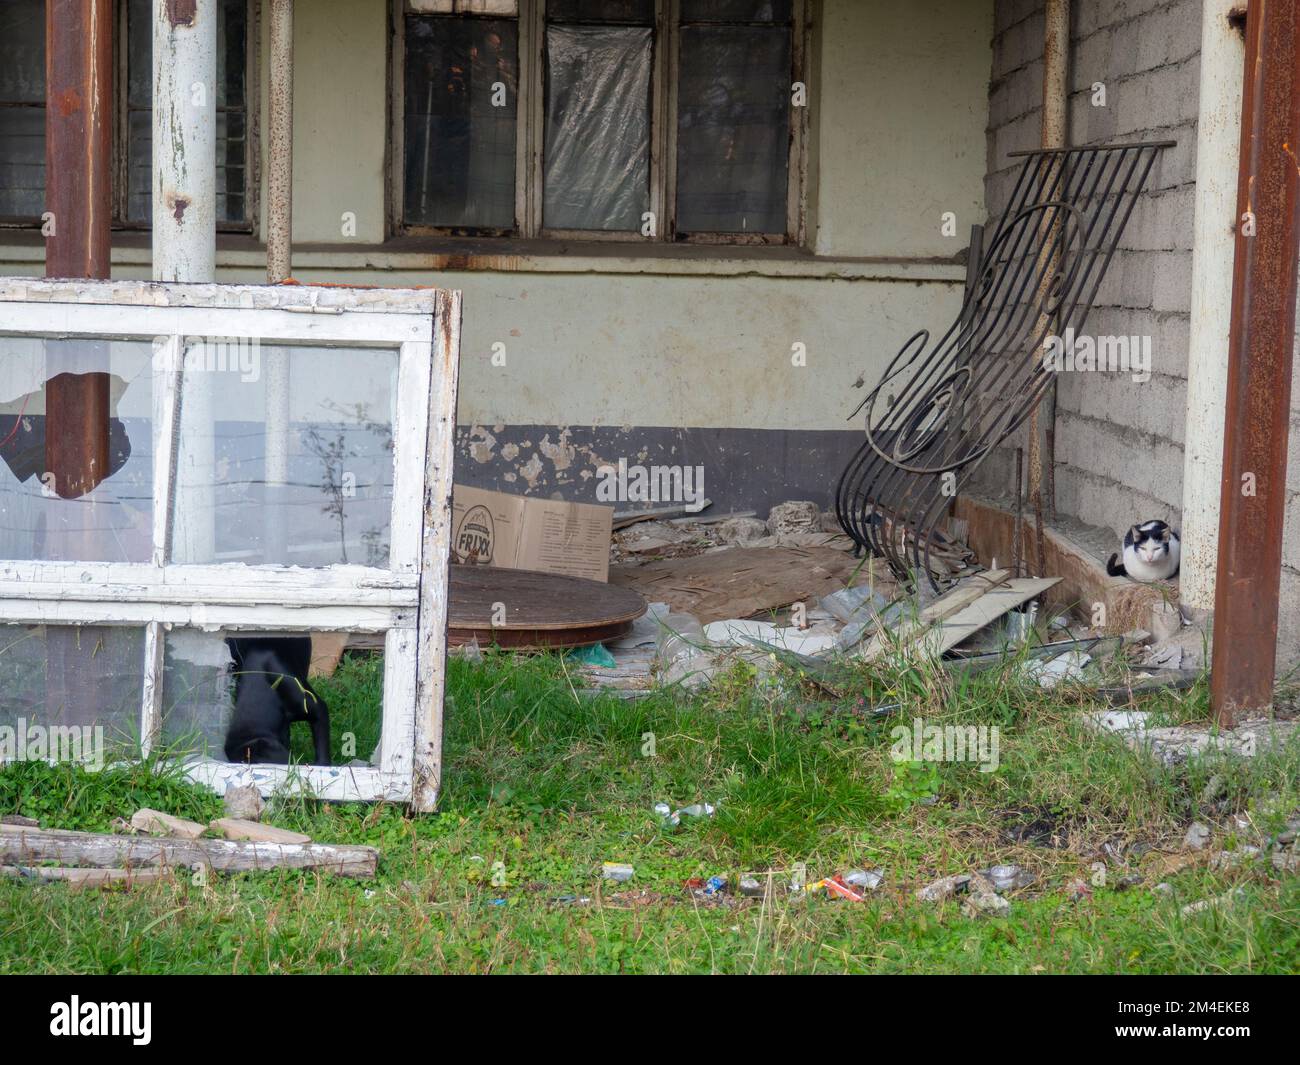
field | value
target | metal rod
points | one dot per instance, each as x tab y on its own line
1253	495
78	198
279	267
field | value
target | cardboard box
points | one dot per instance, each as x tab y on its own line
524	532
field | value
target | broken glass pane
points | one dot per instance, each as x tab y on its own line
22	108
76	449
285	454
733	129
86	677
460	104
597	127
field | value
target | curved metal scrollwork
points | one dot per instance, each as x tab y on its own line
940	409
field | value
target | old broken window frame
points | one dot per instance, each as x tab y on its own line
407	600
530	135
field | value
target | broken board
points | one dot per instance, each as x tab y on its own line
962	595
741	582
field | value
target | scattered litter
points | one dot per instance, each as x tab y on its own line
752	887
617	872
1053	671
736	632
1211	904
862	879
1233	859
837	887
944	888
1198	835
1008	877
592	655
672	818
572	900
982	900
715	885
1078	888
1166	656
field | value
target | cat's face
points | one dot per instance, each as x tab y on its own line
1151	541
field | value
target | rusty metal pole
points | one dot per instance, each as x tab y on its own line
279	265
78	204
279	177
78	199
1253	495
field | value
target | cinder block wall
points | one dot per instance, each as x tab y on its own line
1118	443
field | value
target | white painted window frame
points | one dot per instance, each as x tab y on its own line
407	601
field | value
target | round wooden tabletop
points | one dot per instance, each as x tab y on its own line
526	610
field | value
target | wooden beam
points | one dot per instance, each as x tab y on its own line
25	846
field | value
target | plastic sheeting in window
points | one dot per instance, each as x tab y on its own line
597	127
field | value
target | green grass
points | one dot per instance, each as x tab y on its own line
549	783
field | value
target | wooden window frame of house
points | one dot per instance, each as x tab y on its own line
406	600
121	130
531	135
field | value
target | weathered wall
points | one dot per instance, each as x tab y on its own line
1118	443
671	355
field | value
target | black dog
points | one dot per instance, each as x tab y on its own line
272	692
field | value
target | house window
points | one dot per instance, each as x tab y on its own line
22	114
635	120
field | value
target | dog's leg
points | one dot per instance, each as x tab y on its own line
318	716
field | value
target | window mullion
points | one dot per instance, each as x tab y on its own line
796	172
166	410
531	112
671	68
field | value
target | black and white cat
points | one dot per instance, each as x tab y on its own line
1151	553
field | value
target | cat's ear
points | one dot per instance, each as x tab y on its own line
1135	534
1164	534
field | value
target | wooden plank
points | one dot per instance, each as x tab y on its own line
231	583
159	823
79	879
984	611
368	300
329	783
435	550
255	617
224	855
965	592
238	828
